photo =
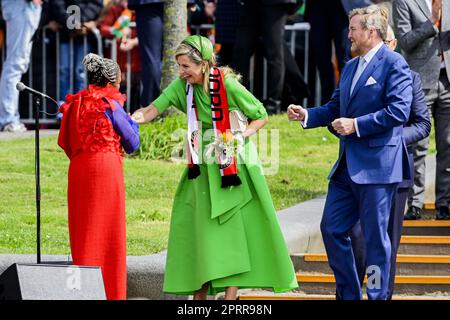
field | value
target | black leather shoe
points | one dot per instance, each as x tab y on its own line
413	213
443	214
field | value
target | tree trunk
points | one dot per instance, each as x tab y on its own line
175	22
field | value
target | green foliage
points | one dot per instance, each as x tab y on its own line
150	187
432	146
160	137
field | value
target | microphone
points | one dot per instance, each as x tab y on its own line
21	87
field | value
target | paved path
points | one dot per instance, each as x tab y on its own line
28	134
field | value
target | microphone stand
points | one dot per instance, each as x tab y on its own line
37	101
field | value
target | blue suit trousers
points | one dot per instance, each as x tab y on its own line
395	228
346	203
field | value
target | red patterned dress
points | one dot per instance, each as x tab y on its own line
96	190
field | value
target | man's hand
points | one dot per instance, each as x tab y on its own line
128	44
90	25
436	11
296	113
344	126
54	26
126	33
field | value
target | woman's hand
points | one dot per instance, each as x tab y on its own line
145	115
138	116
254	126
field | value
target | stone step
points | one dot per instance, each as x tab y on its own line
428	211
324	284
406	264
426	227
430	245
269	295
429	206
329	297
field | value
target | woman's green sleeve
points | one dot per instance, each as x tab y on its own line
240	98
171	96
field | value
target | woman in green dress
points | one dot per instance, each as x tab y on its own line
224	233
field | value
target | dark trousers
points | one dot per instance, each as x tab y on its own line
395	227
267	21
329	24
149	25
346	203
295	87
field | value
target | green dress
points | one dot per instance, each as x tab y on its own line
224	236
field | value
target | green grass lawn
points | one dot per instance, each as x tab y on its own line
150	186
305	158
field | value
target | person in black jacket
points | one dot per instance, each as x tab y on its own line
226	23
149	25
265	18
329	26
72	27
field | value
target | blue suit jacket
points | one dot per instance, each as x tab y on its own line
418	126
379	155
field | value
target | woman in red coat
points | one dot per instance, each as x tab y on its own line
94	131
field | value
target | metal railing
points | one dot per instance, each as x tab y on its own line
112	45
293	29
200	27
45	41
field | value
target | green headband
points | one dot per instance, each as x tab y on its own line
202	44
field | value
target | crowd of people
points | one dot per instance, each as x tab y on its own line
113	19
376	101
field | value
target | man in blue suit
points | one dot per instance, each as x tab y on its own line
368	110
417	128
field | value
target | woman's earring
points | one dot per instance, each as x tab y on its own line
203	70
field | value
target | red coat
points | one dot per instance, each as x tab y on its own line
96	188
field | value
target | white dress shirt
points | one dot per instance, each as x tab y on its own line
429	4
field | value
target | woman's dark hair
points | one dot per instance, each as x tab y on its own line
100	71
